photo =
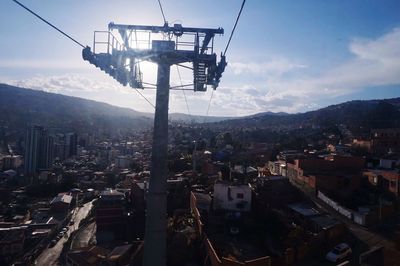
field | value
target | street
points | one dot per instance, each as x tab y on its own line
362	234
84	236
50	256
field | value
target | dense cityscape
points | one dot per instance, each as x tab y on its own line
283	198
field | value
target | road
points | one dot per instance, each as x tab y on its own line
84	236
50	256
368	237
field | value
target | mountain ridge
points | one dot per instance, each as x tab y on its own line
49	108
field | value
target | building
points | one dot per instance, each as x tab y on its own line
385	140
71	145
110	217
232	197
277	167
96	255
12	240
11	162
123	162
88	256
385	180
38	150
338	174
61	203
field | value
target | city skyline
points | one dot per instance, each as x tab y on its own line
291	57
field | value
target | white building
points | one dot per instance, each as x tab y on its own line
232	197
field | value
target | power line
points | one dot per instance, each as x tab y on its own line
209	104
69	37
162	11
184	94
234	27
144	97
48	23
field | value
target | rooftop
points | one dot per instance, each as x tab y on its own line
64	198
304	209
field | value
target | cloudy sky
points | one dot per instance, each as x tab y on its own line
290	56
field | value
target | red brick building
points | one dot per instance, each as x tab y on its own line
339	174
110	219
387	180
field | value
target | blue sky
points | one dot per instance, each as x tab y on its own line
291	56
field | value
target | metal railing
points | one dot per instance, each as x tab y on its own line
108	40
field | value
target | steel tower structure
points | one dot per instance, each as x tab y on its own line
164	45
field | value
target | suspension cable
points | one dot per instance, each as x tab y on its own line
184	94
209	104
226	49
72	39
48	23
234	27
144	97
162	11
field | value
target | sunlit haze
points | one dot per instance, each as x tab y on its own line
285	56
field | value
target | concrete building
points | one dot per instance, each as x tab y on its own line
96	255
61	203
385	140
11	162
38	150
123	162
110	218
71	145
12	240
231	197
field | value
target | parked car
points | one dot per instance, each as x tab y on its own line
52	243
71	223
339	252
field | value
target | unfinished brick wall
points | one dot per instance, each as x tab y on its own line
215	261
196	214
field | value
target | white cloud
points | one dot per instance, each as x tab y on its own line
248	87
274	66
375	62
43	64
98	87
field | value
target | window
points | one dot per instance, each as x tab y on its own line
240	195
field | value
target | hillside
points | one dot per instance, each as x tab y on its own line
359	116
180	117
21	107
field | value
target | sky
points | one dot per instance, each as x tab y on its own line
285	56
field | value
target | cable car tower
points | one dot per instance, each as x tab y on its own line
165	45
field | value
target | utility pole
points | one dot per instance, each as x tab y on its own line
120	60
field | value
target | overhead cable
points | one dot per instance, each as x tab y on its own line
183	91
48	23
162	11
234	27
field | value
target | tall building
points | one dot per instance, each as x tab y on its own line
38	150
71	144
